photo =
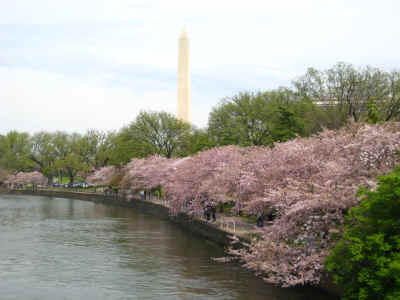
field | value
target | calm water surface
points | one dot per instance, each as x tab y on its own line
54	248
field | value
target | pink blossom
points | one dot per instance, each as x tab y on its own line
34	178
102	176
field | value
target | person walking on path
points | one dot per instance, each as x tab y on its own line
260	219
210	210
213	211
207	210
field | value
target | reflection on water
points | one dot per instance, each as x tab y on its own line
53	248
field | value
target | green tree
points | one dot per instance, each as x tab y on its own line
71	162
14	152
391	107
311	85
260	119
123	148
154	133
366	262
245	119
198	140
349	90
71	165
62	148
43	154
313	118
287	126
373	116
95	148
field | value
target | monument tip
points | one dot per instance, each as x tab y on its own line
184	33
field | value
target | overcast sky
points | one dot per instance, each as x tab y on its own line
78	64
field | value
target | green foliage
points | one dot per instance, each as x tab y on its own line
287	126
366	262
72	164
44	153
124	148
245	119
14	152
372	116
249	219
153	133
347	89
198	140
95	148
59	154
261	119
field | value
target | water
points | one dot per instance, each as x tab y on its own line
55	248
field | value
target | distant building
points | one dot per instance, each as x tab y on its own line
326	102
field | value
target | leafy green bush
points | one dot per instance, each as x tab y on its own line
366	262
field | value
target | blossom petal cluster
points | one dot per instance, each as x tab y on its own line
102	176
35	178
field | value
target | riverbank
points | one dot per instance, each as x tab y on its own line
218	232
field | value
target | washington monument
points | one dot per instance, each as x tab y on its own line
184	90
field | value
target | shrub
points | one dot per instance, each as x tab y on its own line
366	262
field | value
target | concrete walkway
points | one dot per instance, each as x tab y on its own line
231	224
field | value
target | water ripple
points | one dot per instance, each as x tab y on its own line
54	248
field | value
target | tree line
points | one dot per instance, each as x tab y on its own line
316	100
358	93
55	154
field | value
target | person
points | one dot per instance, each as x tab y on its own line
260	219
213	210
108	190
207	210
116	192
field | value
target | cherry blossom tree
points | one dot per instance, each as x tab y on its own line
23	178
311	183
103	176
209	175
146	173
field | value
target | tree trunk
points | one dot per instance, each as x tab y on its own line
71	179
60	175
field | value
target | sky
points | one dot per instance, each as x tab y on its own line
74	65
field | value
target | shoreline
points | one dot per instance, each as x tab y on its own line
210	231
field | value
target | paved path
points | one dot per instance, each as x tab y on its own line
228	223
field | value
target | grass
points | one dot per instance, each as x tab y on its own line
65	179
227	207
249	219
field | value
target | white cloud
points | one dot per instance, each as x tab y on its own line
35	100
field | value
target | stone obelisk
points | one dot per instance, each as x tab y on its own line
184	90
